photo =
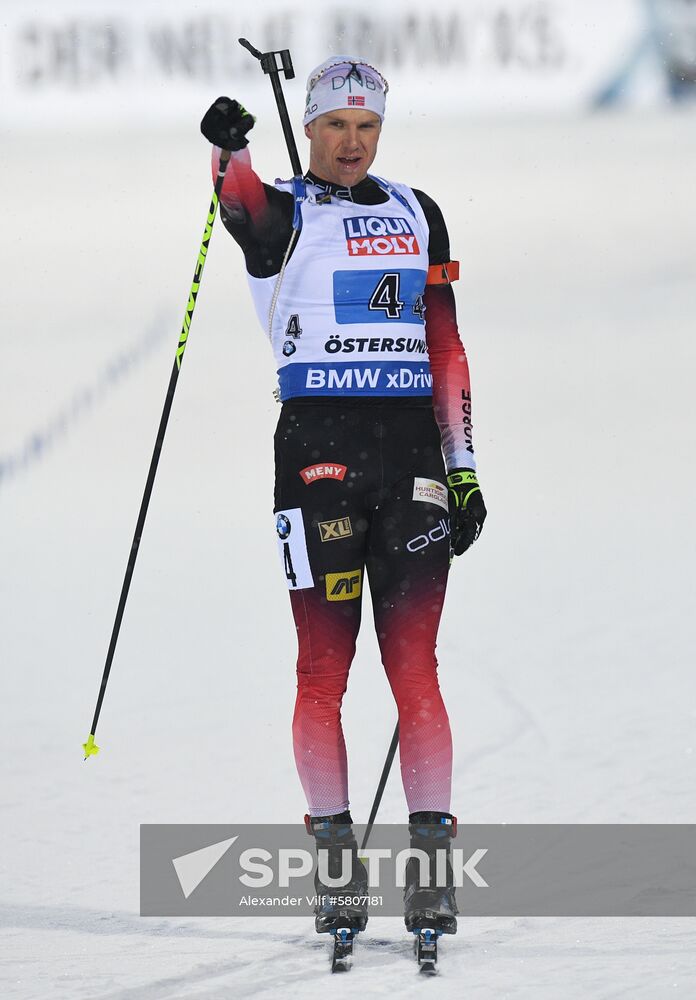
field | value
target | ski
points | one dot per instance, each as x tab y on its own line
342	958
425	949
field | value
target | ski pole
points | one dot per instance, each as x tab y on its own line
90	747
269	65
380	787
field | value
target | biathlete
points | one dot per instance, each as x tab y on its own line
375	472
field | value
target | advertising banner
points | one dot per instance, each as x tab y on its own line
76	60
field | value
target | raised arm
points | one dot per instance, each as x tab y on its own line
258	216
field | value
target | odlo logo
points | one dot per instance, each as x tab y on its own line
343	586
436	534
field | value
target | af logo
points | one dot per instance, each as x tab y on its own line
289	348
283	527
343	586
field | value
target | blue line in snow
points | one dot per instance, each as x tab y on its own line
84	400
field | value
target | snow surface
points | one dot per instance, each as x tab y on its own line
566	648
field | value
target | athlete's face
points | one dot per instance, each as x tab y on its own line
343	145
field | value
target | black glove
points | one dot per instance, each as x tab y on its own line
467	509
226	124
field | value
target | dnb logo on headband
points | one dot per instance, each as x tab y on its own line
379	234
352	79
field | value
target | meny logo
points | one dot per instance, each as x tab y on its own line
320	471
375	234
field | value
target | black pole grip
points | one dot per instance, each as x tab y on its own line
270	66
287	64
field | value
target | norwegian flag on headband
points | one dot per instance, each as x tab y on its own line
359	101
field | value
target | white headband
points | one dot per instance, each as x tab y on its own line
344	82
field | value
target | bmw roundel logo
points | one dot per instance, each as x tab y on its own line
289	348
282	526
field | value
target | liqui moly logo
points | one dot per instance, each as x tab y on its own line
378	234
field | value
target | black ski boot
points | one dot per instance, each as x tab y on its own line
430	906
338	906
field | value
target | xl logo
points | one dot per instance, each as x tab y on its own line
332	530
436	534
343	586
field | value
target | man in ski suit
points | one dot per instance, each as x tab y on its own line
351	277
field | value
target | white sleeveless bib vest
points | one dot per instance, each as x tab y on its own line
349	317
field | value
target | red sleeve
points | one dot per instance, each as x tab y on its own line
241	187
450	371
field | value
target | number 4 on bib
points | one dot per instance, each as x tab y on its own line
287	562
386	297
293	329
292	546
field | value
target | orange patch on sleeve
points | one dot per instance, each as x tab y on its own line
443	274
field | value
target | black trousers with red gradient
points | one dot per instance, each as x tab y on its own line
360	494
